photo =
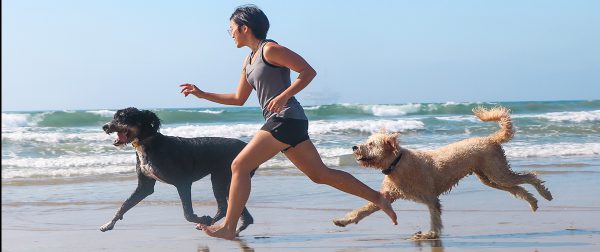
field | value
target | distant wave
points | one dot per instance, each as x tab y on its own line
207	111
387	110
312	107
71	161
16	120
67	166
315	127
527	150
365	126
577	116
392	110
26	136
124	162
103	113
569	116
239	130
56	118
231	130
448	110
574	111
100	117
523	150
461	118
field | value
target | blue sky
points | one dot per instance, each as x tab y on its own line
113	54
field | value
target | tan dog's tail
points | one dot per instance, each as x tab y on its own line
502	116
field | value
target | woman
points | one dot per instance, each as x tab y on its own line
267	70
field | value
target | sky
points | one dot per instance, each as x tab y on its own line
71	55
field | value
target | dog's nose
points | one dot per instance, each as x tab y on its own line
354	148
105	127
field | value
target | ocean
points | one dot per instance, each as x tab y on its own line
54	146
69	147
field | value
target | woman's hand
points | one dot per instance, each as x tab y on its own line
277	103
191	89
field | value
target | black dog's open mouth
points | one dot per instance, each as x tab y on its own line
122	133
121	138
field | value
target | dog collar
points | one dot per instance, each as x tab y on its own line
389	170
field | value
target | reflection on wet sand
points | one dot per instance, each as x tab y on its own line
435	245
243	245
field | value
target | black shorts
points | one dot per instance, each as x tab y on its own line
287	130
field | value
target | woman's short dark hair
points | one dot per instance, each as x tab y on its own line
251	16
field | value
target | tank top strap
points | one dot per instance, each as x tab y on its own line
264	43
262	54
246	64
261	45
249	59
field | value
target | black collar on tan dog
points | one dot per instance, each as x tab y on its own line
389	170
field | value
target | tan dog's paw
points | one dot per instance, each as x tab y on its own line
341	222
431	235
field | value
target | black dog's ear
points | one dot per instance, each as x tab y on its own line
152	119
123	113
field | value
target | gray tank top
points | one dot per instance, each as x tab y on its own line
269	81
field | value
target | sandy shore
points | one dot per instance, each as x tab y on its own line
161	228
482	219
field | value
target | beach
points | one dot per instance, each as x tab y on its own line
476	218
62	179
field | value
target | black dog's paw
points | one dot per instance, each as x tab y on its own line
107	226
206	220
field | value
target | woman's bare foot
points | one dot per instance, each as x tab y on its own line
217	231
385	204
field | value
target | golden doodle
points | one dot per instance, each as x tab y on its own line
422	176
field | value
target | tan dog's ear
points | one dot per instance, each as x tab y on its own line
391	142
382	130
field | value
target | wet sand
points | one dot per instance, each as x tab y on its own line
162	228
475	217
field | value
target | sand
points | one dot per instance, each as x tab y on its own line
476	218
162	228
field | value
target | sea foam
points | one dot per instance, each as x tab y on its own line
15	120
365	126
576	116
525	150
66	166
103	113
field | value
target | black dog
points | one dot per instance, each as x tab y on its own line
175	160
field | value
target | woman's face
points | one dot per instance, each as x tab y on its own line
237	33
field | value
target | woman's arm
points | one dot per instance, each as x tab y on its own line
238	98
281	56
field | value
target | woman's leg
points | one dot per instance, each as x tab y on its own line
307	159
260	149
